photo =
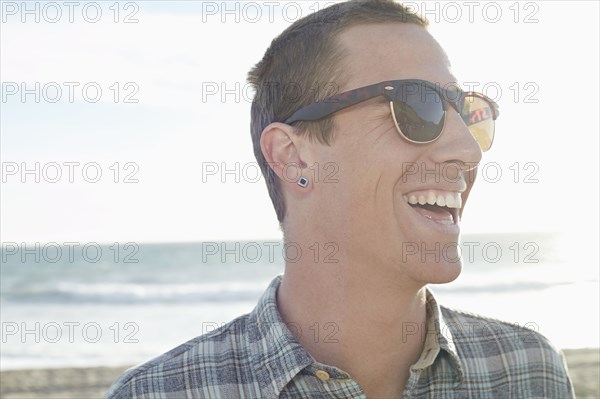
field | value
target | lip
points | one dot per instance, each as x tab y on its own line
453	229
459	190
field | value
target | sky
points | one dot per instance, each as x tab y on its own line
134	117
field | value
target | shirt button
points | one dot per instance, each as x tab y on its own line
322	375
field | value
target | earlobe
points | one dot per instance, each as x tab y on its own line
281	147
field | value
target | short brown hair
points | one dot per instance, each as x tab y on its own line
303	65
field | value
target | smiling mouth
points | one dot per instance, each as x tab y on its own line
437	205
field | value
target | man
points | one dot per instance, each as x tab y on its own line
358	321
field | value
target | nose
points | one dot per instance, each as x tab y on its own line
456	143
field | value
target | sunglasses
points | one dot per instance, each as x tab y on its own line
418	109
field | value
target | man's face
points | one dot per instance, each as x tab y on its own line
379	170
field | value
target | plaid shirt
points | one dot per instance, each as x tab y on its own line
256	356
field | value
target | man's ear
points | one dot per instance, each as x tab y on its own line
282	148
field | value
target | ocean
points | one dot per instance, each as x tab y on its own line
85	304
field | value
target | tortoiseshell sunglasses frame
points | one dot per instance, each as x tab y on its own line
391	89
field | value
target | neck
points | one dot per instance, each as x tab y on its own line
355	316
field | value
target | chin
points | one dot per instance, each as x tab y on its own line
436	269
448	268
443	273
436	260
419	275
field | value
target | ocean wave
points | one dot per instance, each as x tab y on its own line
135	293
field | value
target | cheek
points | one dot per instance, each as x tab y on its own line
397	154
366	169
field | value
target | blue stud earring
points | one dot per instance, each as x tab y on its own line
303	182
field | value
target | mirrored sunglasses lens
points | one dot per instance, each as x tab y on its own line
478	117
419	113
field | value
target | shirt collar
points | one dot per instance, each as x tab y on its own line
438	337
278	357
276	354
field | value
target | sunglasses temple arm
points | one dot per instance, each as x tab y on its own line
330	105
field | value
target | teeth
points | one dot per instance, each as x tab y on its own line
450	199
441	200
431	198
